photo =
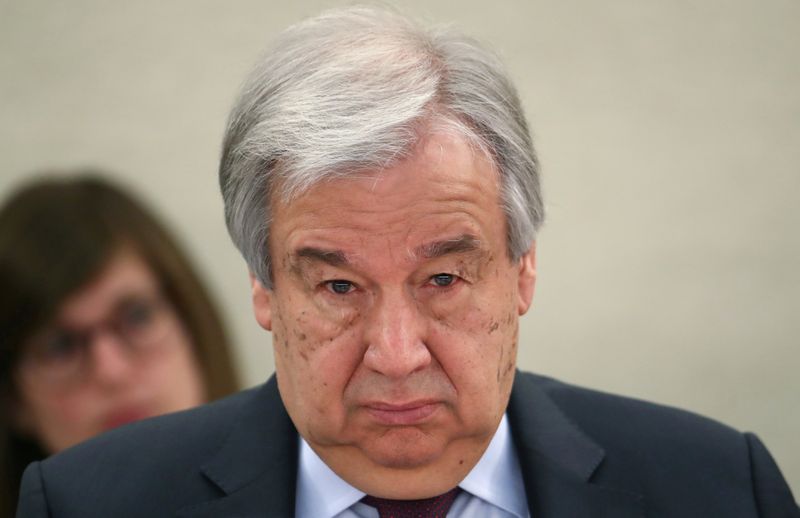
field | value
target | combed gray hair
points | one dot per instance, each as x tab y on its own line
347	92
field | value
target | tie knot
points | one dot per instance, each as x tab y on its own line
435	507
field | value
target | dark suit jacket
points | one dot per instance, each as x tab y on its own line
583	454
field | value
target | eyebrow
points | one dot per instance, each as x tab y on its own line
331	257
461	244
464	243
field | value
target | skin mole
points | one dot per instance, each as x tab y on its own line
441	316
351	320
493	327
462	270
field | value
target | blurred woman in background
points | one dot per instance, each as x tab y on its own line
103	321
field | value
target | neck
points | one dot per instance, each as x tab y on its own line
405	483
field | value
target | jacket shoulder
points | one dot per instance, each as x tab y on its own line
152	464
614	418
641	434
674	457
175	437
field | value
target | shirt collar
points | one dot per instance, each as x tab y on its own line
496	478
321	492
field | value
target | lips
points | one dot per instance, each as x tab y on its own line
123	417
407	414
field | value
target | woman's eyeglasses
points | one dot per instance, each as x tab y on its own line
61	355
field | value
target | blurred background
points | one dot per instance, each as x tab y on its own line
669	138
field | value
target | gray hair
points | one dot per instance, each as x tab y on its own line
348	92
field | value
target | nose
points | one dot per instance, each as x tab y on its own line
395	337
110	361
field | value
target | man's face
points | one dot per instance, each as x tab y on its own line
394	314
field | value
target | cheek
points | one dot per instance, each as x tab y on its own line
478	338
305	333
503	331
60	419
508	346
476	316
316	353
175	377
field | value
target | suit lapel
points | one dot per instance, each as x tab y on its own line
558	461
256	467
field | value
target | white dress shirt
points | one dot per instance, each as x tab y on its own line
493	489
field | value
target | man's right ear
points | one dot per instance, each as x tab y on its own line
262	303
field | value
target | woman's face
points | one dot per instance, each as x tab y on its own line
116	352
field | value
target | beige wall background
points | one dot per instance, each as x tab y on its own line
669	134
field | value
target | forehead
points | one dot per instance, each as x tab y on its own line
445	188
126	273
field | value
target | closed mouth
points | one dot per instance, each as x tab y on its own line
406	414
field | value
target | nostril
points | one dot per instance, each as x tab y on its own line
397	358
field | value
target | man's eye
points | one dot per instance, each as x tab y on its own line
340	287
443	280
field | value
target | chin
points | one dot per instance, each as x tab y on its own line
405	449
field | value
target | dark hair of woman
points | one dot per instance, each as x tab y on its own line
56	235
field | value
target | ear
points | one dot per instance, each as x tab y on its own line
262	303
526	281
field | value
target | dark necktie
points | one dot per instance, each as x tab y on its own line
435	507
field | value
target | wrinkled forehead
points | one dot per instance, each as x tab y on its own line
441	201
